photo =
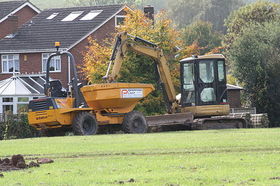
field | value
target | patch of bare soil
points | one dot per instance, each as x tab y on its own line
17	162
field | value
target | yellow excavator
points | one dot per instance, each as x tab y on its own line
85	108
202	102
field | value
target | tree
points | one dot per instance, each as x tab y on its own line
256	63
219	10
139	68
203	35
251	1
95	61
254	13
252	44
215	11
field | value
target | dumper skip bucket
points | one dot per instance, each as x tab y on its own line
115	95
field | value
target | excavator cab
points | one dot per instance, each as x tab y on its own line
203	85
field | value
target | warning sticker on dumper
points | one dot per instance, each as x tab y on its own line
132	93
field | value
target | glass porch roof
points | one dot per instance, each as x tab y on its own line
29	84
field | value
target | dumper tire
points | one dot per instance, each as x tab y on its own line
134	122
84	123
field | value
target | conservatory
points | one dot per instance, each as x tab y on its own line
16	91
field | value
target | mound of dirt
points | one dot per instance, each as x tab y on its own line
17	162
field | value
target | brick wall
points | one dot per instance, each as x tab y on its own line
29	63
23	15
106	31
32	63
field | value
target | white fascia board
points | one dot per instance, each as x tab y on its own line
52	50
30	75
22	95
19	8
88	34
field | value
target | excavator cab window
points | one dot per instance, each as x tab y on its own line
203	82
221	71
206	77
188	84
206	71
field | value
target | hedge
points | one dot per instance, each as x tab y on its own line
16	127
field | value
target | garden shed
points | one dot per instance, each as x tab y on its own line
234	96
16	91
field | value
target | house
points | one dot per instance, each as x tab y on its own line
14	14
27	49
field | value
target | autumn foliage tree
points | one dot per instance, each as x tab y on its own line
201	34
95	61
136	67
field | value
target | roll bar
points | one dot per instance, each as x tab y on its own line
78	99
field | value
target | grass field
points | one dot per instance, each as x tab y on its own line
216	157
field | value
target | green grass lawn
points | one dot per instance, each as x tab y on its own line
216	157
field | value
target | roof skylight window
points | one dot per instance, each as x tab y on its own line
72	16
52	16
92	14
10	36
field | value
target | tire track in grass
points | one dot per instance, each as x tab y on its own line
89	154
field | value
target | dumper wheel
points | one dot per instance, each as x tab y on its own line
84	124
134	122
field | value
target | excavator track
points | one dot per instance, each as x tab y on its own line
169	122
186	121
223	122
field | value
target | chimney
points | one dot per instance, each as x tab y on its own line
12	24
149	12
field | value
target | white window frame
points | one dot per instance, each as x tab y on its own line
6	56
72	16
53	59
7	103
116	18
15	102
91	15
